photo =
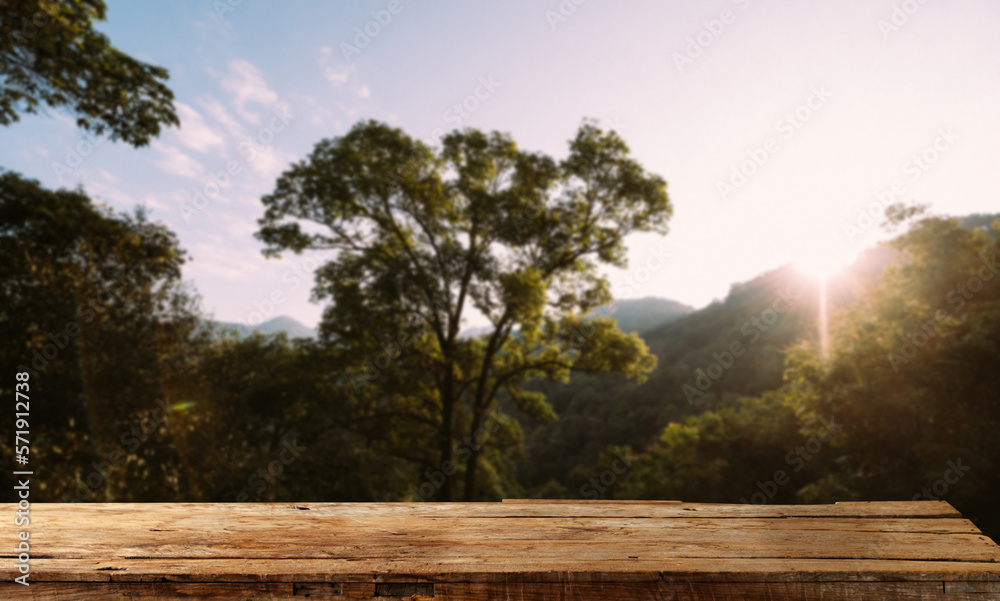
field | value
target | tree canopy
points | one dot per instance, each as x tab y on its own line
909	385
51	55
423	236
138	398
91	306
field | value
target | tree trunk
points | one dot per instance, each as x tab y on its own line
446	418
470	466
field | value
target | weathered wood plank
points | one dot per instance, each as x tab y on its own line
513	527
652	509
584	544
511	550
584	501
796	591
540	552
505	591
900	509
832	591
527	569
162	591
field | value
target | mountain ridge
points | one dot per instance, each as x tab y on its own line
271	327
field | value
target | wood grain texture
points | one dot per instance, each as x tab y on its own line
515	550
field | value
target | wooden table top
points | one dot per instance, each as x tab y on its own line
515	550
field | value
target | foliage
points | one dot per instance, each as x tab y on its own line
134	397
91	303
912	374
910	378
50	54
425	235
277	423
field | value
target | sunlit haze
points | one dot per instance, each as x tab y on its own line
781	128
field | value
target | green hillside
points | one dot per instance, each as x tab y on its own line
645	314
760	319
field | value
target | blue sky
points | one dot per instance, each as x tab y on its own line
773	122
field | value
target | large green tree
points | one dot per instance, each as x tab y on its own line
50	54
92	307
425	236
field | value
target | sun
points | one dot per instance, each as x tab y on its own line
822	263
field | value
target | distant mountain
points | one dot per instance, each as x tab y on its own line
979	220
632	315
474	332
270	327
645	314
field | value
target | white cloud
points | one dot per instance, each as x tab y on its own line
194	133
218	112
338	76
267	159
174	161
232	261
151	202
110	195
318	112
348	110
215	268
247	86
241	228
271	162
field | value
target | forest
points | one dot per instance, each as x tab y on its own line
147	400
878	383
